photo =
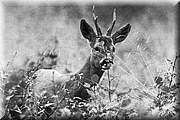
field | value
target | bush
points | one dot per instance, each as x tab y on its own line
105	103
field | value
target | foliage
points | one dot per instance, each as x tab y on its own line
105	103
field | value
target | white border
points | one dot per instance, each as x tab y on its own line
97	1
173	2
1	36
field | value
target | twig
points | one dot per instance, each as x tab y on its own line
56	100
11	61
109	86
54	111
174	64
116	83
146	66
132	75
53	83
138	52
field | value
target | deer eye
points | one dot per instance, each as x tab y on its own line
98	49
113	49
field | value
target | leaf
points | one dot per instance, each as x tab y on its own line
176	108
87	85
48	110
165	88
158	80
49	104
77	98
111	105
40	112
168	60
54	96
15	114
125	102
9	97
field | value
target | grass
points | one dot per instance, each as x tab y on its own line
108	100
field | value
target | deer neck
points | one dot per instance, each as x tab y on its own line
91	73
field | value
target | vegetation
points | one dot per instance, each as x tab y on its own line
107	102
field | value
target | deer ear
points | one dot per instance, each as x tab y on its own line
87	31
121	34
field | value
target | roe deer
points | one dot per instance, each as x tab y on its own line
100	59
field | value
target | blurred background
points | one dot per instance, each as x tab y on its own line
31	29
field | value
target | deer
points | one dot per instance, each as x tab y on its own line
100	60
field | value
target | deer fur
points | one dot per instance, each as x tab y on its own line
100	59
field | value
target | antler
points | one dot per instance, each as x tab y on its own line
99	33
108	33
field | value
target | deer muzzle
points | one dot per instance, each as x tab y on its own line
106	63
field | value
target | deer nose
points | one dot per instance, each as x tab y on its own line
109	57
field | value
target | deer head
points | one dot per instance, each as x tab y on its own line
103	46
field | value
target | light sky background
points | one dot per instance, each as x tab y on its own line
173	2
